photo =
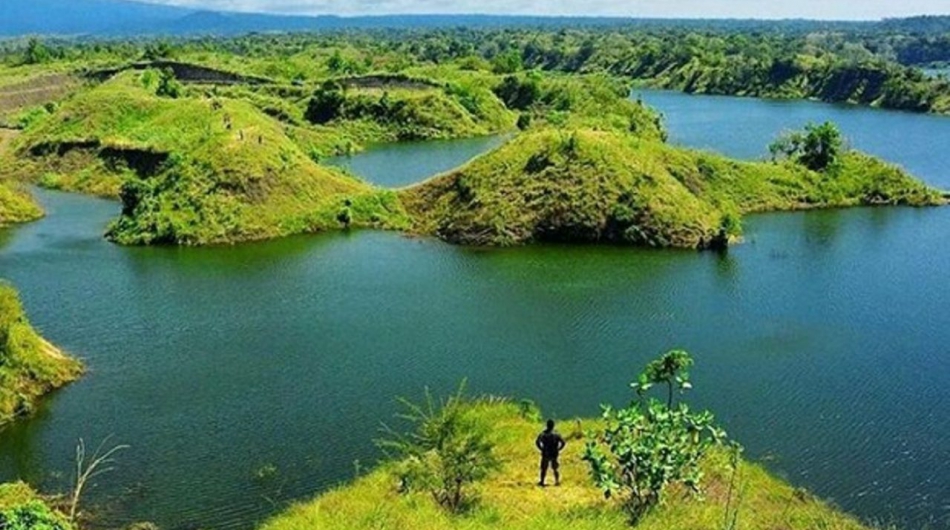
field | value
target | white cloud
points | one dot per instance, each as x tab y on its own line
824	9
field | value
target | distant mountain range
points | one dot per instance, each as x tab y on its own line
131	18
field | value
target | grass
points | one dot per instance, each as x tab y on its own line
196	170
510	499
22	508
243	163
585	185
29	365
16	206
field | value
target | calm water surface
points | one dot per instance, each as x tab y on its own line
398	165
823	343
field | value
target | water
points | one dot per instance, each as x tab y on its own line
398	165
934	73
744	128
822	343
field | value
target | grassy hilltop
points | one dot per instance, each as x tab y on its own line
509	498
190	170
29	365
605	186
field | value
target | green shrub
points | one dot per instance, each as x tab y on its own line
649	445
818	147
448	450
168	85
34	515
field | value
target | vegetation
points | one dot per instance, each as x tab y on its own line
448	451
29	365
193	170
16	206
817	148
510	499
606	186
220	141
21	508
649	446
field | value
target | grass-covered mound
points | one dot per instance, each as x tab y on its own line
192	169
16	206
389	108
579	101
29	365
584	185
509	498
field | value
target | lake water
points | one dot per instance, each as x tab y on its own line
401	164
823	343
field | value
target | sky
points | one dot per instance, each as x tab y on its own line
814	9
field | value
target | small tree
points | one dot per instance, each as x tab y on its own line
650	445
448	450
326	104
168	84
817	147
36	52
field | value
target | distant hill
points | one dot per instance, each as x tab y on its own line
112	18
81	17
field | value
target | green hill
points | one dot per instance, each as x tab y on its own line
510	500
583	185
29	365
191	170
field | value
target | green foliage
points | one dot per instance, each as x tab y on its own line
649	446
326	104
36	52
671	369
156	51
818	147
583	185
35	515
16	206
519	93
32	115
508	62
338	64
168	85
446	453
395	108
29	366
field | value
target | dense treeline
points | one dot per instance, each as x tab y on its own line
855	66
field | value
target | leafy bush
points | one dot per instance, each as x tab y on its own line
326	104
34	515
818	147
168	85
648	446
446	453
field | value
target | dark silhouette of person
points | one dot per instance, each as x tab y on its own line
550	443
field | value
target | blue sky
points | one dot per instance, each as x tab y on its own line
821	9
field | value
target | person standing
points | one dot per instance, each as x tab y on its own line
550	443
